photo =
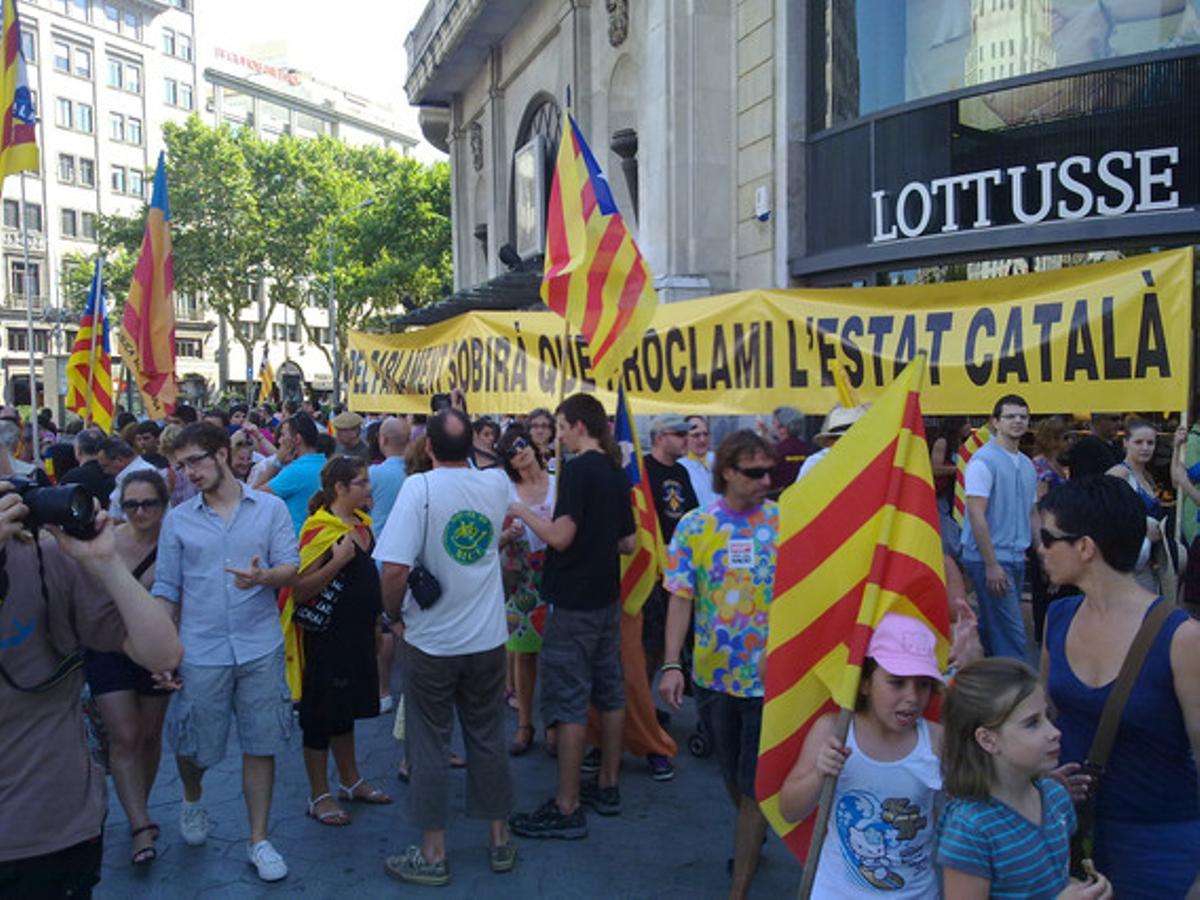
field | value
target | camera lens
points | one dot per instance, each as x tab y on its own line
68	506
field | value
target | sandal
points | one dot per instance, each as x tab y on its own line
373	795
336	817
148	854
520	746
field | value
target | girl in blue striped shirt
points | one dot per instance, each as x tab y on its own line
1007	829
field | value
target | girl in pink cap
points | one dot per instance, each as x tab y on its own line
881	832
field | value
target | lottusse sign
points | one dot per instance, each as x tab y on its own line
1077	187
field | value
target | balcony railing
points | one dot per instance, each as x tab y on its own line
17	301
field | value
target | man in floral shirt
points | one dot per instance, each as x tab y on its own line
722	564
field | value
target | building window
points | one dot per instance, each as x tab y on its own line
116	126
171	91
18	340
131	24
244	330
118	179
185	47
12	214
133	78
192	347
135	183
179	4
185	96
281	332
16	278
87	172
116	74
33	217
87	225
62	57
83	62
29	46
79	8
112	17
84	120
168	41
133	131
66	168
70	223
64	116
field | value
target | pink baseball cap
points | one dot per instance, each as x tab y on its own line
905	646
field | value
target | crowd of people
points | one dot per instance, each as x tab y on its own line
268	568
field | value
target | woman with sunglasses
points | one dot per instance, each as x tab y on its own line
541	427
522	555
131	701
340	680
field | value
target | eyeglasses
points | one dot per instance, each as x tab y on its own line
361	482
130	506
517	446
755	473
191	462
1024	417
1049	538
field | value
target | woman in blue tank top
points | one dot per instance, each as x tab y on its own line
1148	802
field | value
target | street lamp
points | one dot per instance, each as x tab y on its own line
333	336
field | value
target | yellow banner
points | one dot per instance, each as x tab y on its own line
1109	336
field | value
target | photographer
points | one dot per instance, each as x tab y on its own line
52	795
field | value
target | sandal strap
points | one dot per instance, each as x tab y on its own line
313	801
349	791
136	831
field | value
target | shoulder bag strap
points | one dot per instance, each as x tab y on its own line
425	528
145	564
1110	718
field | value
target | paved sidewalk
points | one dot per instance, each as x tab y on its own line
672	839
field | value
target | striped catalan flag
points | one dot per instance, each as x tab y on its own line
977	439
266	378
595	276
640	570
89	368
147	335
856	542
18	139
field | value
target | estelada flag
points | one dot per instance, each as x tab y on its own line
595	276
858	538
89	368
18	131
147	335
977	439
639	570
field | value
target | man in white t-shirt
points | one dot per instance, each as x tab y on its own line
449	521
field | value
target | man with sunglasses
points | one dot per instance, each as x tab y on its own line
222	555
1000	525
721	564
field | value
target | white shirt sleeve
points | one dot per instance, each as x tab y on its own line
978	479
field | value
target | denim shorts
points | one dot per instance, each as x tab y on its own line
255	694
735	724
581	662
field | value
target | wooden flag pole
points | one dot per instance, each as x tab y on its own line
824	807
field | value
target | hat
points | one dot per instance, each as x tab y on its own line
668	424
904	646
347	420
839	420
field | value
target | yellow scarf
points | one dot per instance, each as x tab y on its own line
320	532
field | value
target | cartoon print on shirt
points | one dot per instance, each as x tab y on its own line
876	839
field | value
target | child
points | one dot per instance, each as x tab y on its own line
880	836
1007	830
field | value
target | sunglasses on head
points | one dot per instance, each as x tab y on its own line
753	472
516	447
134	505
1049	538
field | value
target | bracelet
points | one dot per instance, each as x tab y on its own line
671	667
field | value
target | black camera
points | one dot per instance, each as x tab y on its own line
68	506
439	402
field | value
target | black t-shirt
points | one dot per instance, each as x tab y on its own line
93	479
1091	456
595	494
673	494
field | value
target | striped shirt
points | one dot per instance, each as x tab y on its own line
1019	859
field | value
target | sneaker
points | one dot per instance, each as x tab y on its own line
548	821
661	767
604	800
193	824
267	861
503	858
591	762
411	866
387	703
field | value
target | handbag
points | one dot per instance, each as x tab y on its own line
424	585
1083	842
316	615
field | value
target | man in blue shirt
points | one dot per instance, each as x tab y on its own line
222	555
387	476
295	473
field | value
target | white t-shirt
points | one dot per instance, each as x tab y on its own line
812	460
700	474
545	509
465	516
977	479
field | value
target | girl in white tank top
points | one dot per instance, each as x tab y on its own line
880	837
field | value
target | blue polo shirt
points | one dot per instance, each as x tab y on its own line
386	478
1020	859
296	483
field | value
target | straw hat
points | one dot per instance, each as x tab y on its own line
839	420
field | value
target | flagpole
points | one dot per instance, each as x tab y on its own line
33	405
98	312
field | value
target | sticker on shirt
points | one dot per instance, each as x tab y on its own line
740	553
467	536
881	842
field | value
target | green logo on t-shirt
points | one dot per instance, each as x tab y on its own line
467	536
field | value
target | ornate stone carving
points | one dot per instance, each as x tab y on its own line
618	21
476	139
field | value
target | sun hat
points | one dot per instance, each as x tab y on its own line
839	420
905	647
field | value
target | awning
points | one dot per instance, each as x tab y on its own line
510	291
